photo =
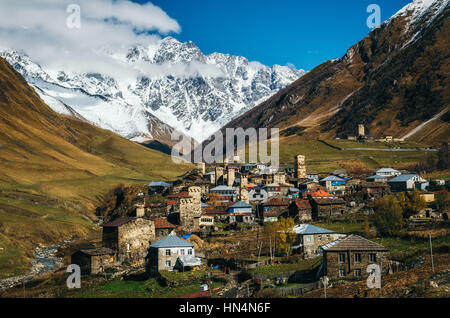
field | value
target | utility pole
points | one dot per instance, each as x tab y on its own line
381	273
431	253
259	254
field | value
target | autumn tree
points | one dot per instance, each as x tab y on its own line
286	234
388	217
414	204
443	201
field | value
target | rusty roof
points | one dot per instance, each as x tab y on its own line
275	202
355	243
302	204
161	223
183	194
118	222
328	201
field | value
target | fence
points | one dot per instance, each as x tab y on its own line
296	290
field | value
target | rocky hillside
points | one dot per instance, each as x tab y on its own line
394	81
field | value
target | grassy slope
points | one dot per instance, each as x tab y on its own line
54	170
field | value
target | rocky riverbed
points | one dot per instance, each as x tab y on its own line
45	261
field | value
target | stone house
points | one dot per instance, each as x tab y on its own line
374	189
162	228
300	210
310	238
350	256
171	252
274	205
405	182
129	238
324	207
94	261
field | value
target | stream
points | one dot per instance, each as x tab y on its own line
44	261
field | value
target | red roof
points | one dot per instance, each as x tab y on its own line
302	204
320	193
200	294
154	205
275	202
215	211
161	223
172	202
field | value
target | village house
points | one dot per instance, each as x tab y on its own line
273	206
129	238
171	252
240	212
350	256
377	178
406	182
325	207
300	210
310	238
374	189
158	187
227	192
162	228
272	189
94	261
334	184
387	172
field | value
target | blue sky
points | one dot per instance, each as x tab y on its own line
304	33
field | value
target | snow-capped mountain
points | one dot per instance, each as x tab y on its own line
175	86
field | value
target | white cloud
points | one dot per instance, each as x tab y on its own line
39	28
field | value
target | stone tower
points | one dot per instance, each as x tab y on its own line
361	131
230	176
300	167
201	167
190	209
243	188
219	174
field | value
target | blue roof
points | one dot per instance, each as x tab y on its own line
241	204
403	178
204	205
294	189
332	178
171	241
159	184
305	229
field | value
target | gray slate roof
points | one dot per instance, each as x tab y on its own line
354	243
171	241
403	178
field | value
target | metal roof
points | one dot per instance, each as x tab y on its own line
387	170
159	184
241	204
222	188
403	178
332	178
171	241
307	229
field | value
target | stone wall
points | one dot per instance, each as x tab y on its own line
333	265
300	167
243	188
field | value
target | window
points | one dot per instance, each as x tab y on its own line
168	264
342	273
372	257
358	272
341	257
190	251
167	252
308	238
319	237
328	237
182	251
357	257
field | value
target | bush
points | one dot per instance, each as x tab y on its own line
244	275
